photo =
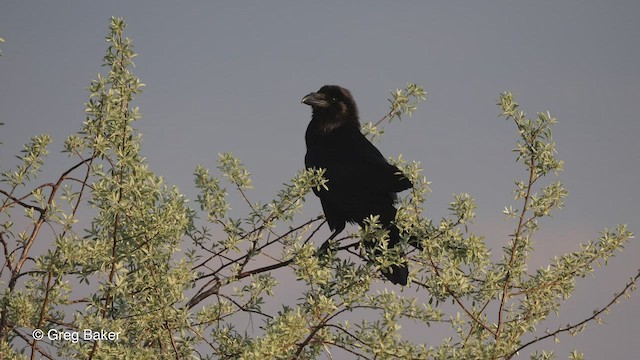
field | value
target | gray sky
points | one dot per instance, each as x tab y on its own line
228	77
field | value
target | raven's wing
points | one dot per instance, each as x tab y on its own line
372	170
353	163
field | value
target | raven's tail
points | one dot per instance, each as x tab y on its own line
397	274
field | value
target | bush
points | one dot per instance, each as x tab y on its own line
153	278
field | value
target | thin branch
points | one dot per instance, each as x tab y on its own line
231	262
202	294
264	269
19	202
516	240
214	289
359	356
40	351
173	342
595	315
244	307
315	330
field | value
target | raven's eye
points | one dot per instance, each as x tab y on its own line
333	99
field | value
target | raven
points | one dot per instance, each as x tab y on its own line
360	180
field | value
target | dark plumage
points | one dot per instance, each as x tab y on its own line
360	180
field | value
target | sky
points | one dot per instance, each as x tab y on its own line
229	76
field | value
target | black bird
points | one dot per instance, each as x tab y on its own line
360	180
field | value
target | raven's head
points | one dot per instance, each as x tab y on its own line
333	106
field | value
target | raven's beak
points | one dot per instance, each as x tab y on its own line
315	100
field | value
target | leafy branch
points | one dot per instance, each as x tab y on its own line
631	286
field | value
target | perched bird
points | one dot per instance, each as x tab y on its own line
360	180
